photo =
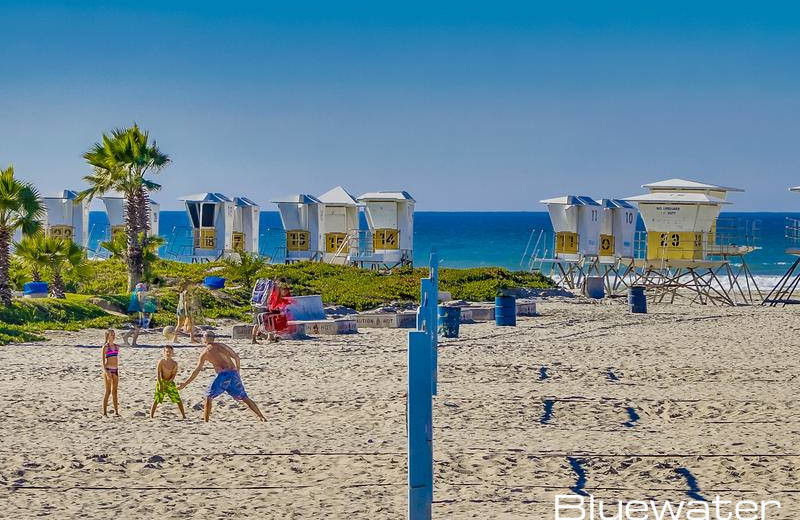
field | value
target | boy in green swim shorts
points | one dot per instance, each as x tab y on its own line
165	382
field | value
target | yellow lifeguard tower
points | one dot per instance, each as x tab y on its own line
390	238
338	226
300	219
575	244
221	226
66	218
684	250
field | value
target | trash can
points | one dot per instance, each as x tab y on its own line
449	321
637	299
595	287
505	311
214	282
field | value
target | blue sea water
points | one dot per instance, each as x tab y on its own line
473	239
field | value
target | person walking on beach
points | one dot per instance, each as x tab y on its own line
144	305
186	309
226	362
166	371
110	371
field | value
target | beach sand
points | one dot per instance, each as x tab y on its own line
713	388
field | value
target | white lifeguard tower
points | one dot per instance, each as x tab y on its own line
115	209
221	226
300	219
338	226
66	218
617	238
685	250
576	221
784	290
390	238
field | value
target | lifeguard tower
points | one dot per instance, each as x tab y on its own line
685	252
572	250
617	237
389	242
66	218
338	226
221	226
784	290
115	209
301	236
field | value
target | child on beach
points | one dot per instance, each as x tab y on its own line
166	371
110	371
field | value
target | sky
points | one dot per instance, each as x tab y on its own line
469	106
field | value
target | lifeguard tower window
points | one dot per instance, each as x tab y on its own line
297	240
207	214
385	239
193	215
66	232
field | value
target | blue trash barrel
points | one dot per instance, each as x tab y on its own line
595	287
449	321
214	282
637	299
35	288
505	311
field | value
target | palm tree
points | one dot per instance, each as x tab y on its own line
31	251
20	208
117	247
245	268
56	255
120	162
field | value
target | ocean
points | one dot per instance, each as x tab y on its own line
475	239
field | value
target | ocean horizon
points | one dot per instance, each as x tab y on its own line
492	238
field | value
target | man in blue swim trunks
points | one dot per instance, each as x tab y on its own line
226	362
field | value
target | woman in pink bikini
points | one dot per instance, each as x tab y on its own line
110	371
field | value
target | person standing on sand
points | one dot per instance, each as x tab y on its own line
186	311
110	371
166	371
226	362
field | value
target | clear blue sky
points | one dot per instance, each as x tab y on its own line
469	106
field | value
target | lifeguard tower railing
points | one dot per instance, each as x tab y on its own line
783	291
98	234
568	270
272	244
364	245
730	237
180	246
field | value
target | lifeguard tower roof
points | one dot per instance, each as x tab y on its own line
245	202
684	184
387	196
676	198
338	195
205	197
572	200
299	198
63	194
615	203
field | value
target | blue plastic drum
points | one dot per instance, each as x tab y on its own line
505	311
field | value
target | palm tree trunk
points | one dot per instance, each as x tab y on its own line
36	275
57	287
5	255
133	256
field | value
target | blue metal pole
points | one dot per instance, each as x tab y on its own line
420	427
433	319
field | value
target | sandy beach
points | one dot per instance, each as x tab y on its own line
633	402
